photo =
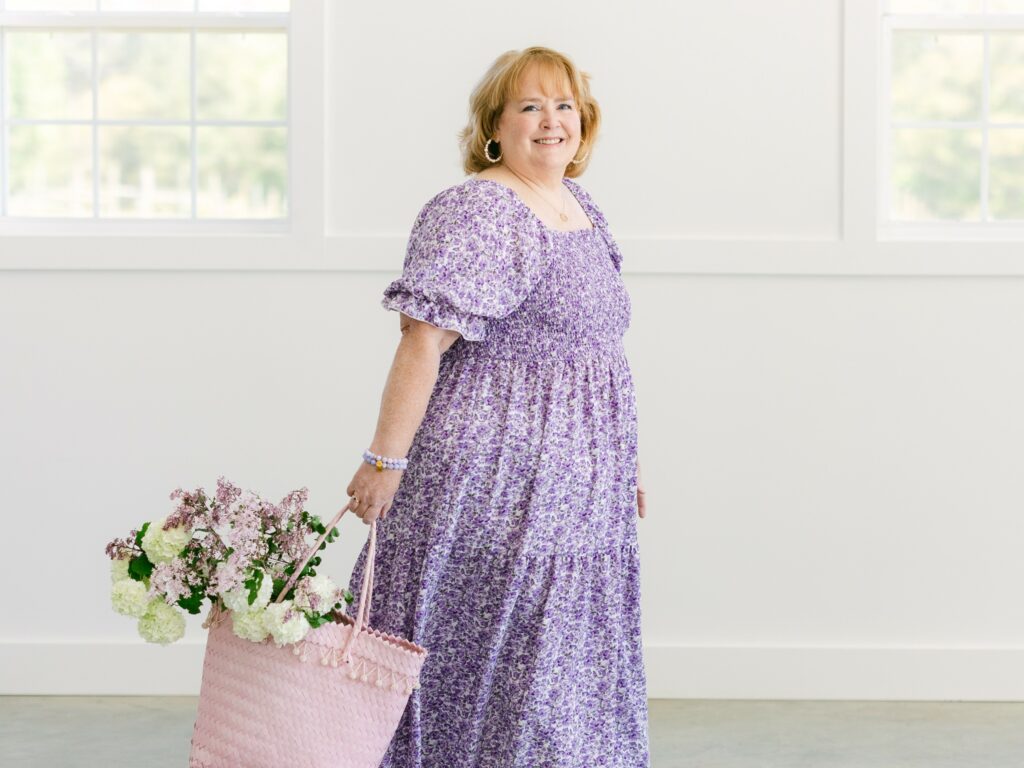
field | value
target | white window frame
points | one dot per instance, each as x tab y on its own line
965	231
856	250
42	242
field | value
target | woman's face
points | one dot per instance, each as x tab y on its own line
533	114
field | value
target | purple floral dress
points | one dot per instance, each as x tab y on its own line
510	551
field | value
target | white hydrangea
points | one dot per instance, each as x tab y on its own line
283	629
250	625
237	599
163	546
323	587
129	597
161	623
119	570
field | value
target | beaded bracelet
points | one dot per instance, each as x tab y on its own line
382	463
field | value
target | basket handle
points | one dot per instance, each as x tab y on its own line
365	593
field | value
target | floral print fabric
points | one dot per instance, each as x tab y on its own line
510	551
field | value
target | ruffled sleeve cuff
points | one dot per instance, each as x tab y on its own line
435	311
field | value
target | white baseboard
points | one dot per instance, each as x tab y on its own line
137	668
107	668
835	673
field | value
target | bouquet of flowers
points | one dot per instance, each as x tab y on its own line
234	549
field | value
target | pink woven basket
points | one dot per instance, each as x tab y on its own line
332	700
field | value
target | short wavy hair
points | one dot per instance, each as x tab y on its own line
501	83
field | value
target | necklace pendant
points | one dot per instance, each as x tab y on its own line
564	217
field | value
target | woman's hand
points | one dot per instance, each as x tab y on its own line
407	394
374	491
641	505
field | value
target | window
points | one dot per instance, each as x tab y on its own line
952	135
144	110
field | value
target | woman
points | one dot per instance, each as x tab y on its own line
507	545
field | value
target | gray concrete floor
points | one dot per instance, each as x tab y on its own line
154	732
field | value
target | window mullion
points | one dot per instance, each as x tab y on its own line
194	166
192	151
95	125
886	133
4	186
985	77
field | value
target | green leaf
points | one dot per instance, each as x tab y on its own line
140	534
254	585
139	567
278	586
193	602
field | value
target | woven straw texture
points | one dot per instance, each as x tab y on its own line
301	706
329	701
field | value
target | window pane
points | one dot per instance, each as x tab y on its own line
280	6
50	75
145	172
935	6
243	172
936	174
1006	90
1006	174
50	5
241	76
146	5
143	75
51	170
936	76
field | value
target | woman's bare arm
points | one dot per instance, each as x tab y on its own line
403	405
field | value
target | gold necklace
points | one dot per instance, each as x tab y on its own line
562	214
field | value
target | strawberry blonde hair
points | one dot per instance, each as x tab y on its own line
501	83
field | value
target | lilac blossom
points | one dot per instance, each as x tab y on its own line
236	542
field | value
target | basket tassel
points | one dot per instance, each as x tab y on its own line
378	675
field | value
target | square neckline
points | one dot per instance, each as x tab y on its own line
538	219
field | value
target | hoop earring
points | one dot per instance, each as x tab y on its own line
487	152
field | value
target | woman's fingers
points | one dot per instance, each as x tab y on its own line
358	506
373	493
641	503
366	510
370	514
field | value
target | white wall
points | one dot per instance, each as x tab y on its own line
829	427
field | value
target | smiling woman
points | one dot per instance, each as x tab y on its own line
508	547
528	83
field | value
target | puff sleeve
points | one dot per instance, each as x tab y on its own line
472	257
